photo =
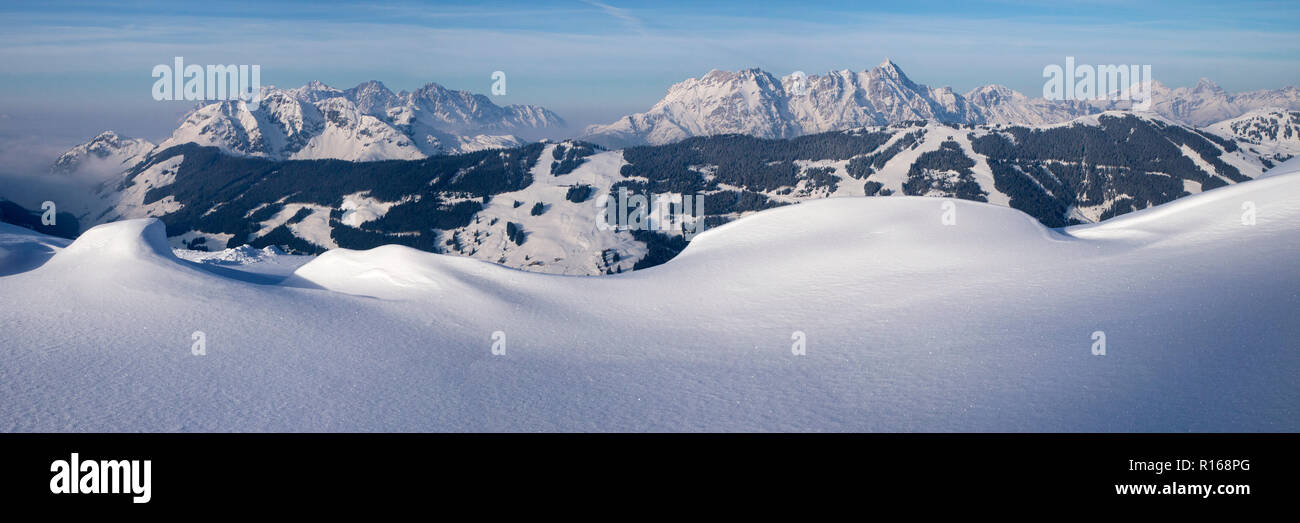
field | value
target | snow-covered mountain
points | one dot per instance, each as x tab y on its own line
107	153
1000	105
1206	103
987	322
757	103
1272	134
537	207
364	123
719	102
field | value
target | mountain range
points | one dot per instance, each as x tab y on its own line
105	153
369	122
300	171
536	206
757	103
364	123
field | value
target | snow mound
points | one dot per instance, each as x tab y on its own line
390	271
905	313
143	239
1287	167
22	250
1266	204
920	228
242	255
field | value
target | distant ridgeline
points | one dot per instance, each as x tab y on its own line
1059	175
221	194
1123	165
1119	165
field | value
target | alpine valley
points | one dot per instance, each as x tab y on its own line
318	168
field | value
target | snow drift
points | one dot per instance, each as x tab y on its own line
917	314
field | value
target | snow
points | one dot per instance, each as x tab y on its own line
566	238
1206	103
981	172
315	228
358	208
104	155
22	250
911	325
1201	164
894	173
130	201
268	261
366	123
1253	127
756	103
846	186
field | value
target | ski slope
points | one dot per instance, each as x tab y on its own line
909	325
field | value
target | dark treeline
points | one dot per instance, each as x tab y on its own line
248	191
1123	164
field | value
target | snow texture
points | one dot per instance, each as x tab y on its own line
910	325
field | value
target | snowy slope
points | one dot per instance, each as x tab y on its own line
1272	135
565	238
1000	105
1145	160
364	123
910	325
106	153
1206	103
757	103
22	250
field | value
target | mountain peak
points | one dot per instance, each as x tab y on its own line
994	94
433	89
890	69
105	145
370	85
1205	84
718	75
315	91
106	136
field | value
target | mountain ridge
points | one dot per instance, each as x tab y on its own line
367	122
536	207
755	102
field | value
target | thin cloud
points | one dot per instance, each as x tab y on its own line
619	13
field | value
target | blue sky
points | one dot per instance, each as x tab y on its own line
73	68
